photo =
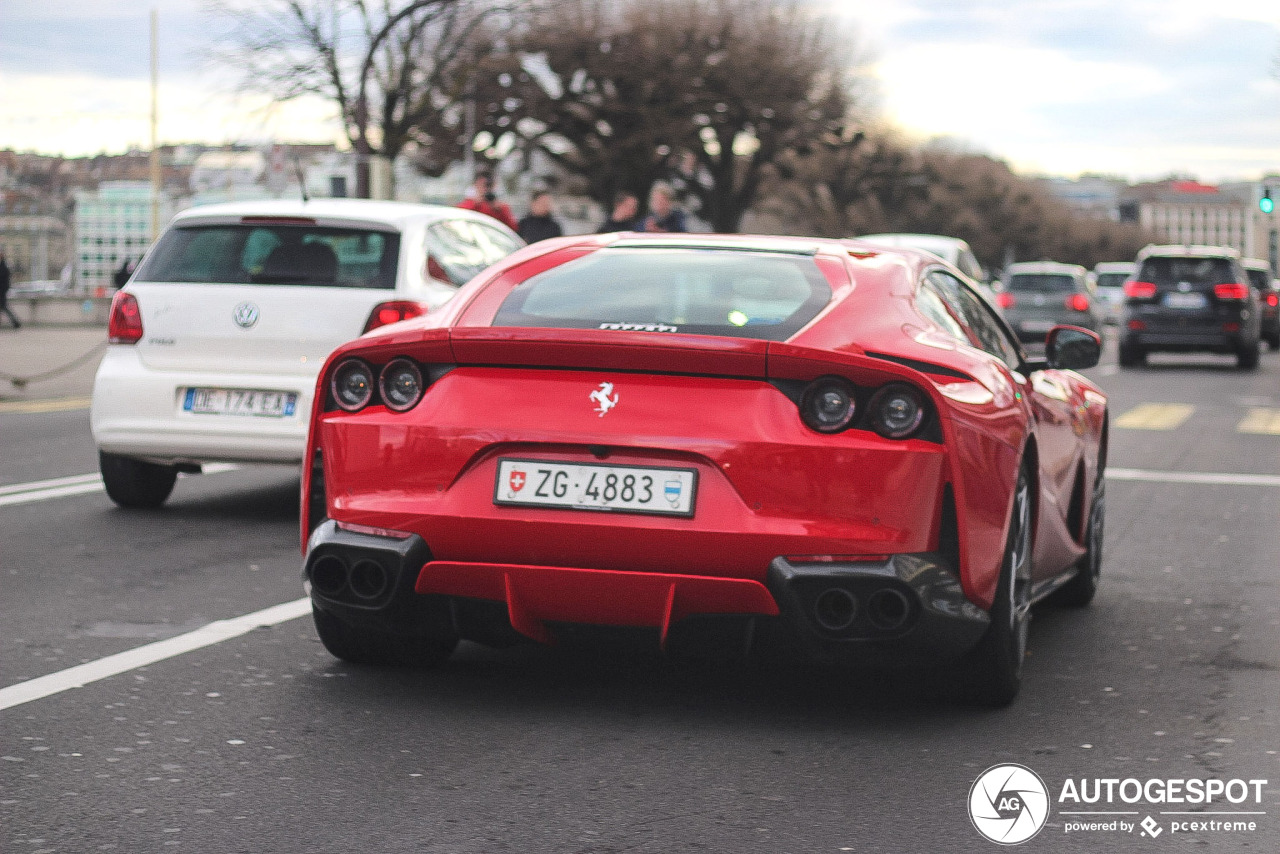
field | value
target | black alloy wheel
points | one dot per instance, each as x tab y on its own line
992	671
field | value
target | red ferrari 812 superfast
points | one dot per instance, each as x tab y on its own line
842	444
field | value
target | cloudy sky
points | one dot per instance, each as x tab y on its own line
1137	88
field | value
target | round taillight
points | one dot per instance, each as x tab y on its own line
828	404
352	385
897	411
401	385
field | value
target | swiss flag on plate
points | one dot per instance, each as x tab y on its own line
516	479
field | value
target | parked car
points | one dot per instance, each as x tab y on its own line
1039	295
1188	298
728	433
953	250
1259	273
217	339
1108	280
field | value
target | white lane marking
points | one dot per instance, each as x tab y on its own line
81	484
1220	478
113	665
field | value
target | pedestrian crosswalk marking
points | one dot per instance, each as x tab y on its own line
1155	416
1260	420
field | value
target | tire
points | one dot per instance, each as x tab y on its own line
1132	356
1273	341
1247	358
135	484
1080	590
370	646
992	671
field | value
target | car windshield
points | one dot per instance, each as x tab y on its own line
274	254
1112	280
735	293
1169	272
464	248
1042	282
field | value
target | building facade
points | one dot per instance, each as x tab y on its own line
113	226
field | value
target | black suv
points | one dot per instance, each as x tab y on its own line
1187	299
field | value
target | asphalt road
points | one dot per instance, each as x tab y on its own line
264	743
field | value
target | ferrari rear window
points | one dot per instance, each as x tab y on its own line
274	254
736	293
1042	282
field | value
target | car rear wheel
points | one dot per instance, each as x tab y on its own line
1247	357
1132	356
133	483
992	672
1080	590
360	645
1273	341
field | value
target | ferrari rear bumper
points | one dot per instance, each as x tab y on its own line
907	608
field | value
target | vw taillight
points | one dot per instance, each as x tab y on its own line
1231	291
125	323
394	311
1078	302
1139	290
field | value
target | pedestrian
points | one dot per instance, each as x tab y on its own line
663	214
539	223
122	275
623	218
483	199
4	293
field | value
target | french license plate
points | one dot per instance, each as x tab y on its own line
240	401
1185	300
1037	325
586	486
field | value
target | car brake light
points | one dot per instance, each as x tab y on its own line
1273	299
1004	299
394	312
1137	325
1231	326
436	271
1078	302
125	323
1231	291
1140	290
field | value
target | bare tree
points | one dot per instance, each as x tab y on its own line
382	63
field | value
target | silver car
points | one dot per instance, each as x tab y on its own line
1039	295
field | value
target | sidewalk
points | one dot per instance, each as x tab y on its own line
35	350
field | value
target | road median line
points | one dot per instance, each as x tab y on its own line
113	665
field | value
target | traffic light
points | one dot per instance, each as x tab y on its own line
1266	204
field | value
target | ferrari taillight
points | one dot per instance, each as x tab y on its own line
125	323
832	404
1140	290
351	385
1231	291
394	311
828	404
400	385
897	411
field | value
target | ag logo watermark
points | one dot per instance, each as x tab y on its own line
1008	804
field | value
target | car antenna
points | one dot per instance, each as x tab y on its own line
302	181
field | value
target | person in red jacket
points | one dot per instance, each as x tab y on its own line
484	200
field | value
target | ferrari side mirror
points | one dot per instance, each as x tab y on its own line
1072	348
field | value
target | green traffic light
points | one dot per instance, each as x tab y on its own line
1266	204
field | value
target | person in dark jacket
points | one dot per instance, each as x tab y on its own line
623	218
4	292
663	214
539	224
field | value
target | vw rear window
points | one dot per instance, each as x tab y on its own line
1169	272
271	254
733	293
1042	282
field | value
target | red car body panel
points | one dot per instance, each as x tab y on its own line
767	484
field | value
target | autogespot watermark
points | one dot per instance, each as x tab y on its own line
1009	804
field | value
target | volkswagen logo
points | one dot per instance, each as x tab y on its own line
245	315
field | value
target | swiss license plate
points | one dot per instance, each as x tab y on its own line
240	401
1185	300
587	486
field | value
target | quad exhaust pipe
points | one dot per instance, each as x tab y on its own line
836	609
333	576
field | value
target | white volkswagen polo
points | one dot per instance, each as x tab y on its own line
217	339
